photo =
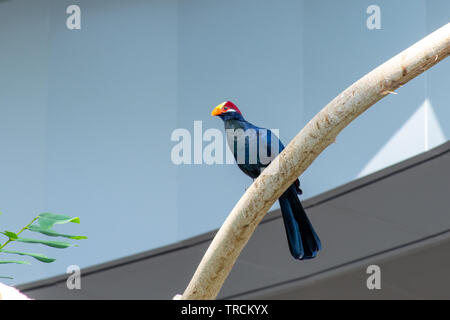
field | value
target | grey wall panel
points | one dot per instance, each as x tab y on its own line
408	243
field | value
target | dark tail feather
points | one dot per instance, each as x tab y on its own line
303	240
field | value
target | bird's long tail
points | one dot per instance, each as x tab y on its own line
303	240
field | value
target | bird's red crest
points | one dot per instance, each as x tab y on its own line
231	105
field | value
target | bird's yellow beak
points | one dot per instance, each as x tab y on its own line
217	110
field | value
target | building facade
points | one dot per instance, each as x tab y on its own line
89	108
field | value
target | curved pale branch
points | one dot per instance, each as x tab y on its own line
319	133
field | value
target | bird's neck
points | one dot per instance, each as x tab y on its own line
235	124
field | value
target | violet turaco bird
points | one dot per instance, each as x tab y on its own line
246	142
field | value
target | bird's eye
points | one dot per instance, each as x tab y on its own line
225	108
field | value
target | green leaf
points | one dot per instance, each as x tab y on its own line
52	233
48	220
54	244
37	256
11	235
13	261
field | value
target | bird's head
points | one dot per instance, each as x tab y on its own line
227	111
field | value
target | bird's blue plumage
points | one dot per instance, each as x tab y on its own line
302	239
